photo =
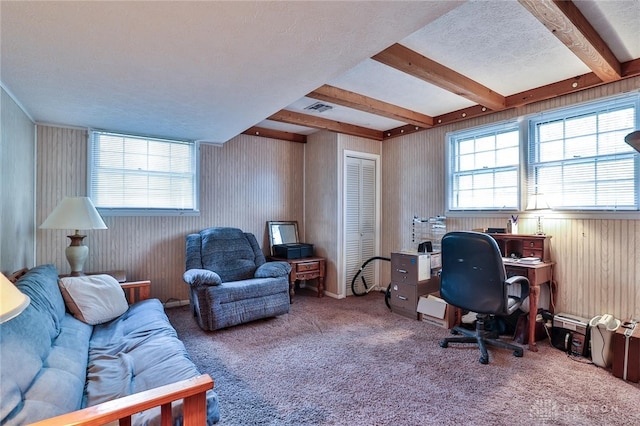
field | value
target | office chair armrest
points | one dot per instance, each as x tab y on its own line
524	284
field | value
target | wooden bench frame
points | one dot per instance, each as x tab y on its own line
191	391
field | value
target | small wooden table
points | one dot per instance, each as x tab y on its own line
306	268
538	274
134	291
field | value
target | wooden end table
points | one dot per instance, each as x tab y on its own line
134	291
305	268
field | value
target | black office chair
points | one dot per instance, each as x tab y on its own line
473	278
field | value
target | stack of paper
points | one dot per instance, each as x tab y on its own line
530	260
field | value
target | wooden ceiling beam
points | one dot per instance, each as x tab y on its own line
364	103
575	84
567	23
275	134
307	120
401	131
408	61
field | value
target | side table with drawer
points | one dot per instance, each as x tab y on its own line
305	268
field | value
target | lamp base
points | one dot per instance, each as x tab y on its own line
76	254
539	231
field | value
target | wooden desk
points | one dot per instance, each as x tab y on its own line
523	245
306	268
538	274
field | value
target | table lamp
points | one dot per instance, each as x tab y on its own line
75	213
538	202
12	300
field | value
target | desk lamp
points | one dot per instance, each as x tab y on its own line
12	300
75	213
538	202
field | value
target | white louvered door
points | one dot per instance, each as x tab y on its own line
360	219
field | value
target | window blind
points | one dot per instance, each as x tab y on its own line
578	158
138	173
485	168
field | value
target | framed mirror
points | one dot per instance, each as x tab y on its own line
282	232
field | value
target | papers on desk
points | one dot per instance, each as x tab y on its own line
522	260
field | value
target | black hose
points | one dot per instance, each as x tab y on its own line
364	282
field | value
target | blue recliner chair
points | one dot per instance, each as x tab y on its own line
230	281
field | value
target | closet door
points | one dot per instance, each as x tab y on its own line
360	219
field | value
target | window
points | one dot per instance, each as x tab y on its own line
484	168
578	158
143	176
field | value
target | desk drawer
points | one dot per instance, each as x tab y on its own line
307	266
529	252
533	248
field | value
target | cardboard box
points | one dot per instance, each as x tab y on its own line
626	352
434	310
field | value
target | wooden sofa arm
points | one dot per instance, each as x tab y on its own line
136	291
192	391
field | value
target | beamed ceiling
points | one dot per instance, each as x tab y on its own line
211	70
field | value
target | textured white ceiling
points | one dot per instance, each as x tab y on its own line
198	70
210	70
497	43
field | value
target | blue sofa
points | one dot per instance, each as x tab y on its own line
52	363
230	281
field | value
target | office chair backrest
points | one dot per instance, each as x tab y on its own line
473	273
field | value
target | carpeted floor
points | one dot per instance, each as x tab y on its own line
352	362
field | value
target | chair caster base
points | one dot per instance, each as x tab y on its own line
444	344
518	354
483	360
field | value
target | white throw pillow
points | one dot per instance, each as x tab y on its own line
93	299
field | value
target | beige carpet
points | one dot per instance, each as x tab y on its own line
352	362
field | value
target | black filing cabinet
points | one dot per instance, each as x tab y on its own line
412	275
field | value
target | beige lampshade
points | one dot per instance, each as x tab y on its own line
633	139
12	300
74	213
537	201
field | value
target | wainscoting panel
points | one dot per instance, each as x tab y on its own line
17	161
597	262
322	206
243	184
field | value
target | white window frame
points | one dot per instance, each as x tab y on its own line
529	163
143	209
603	155
495	168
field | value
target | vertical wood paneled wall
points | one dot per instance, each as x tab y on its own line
322	205
251	180
17	187
597	260
323	198
243	184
